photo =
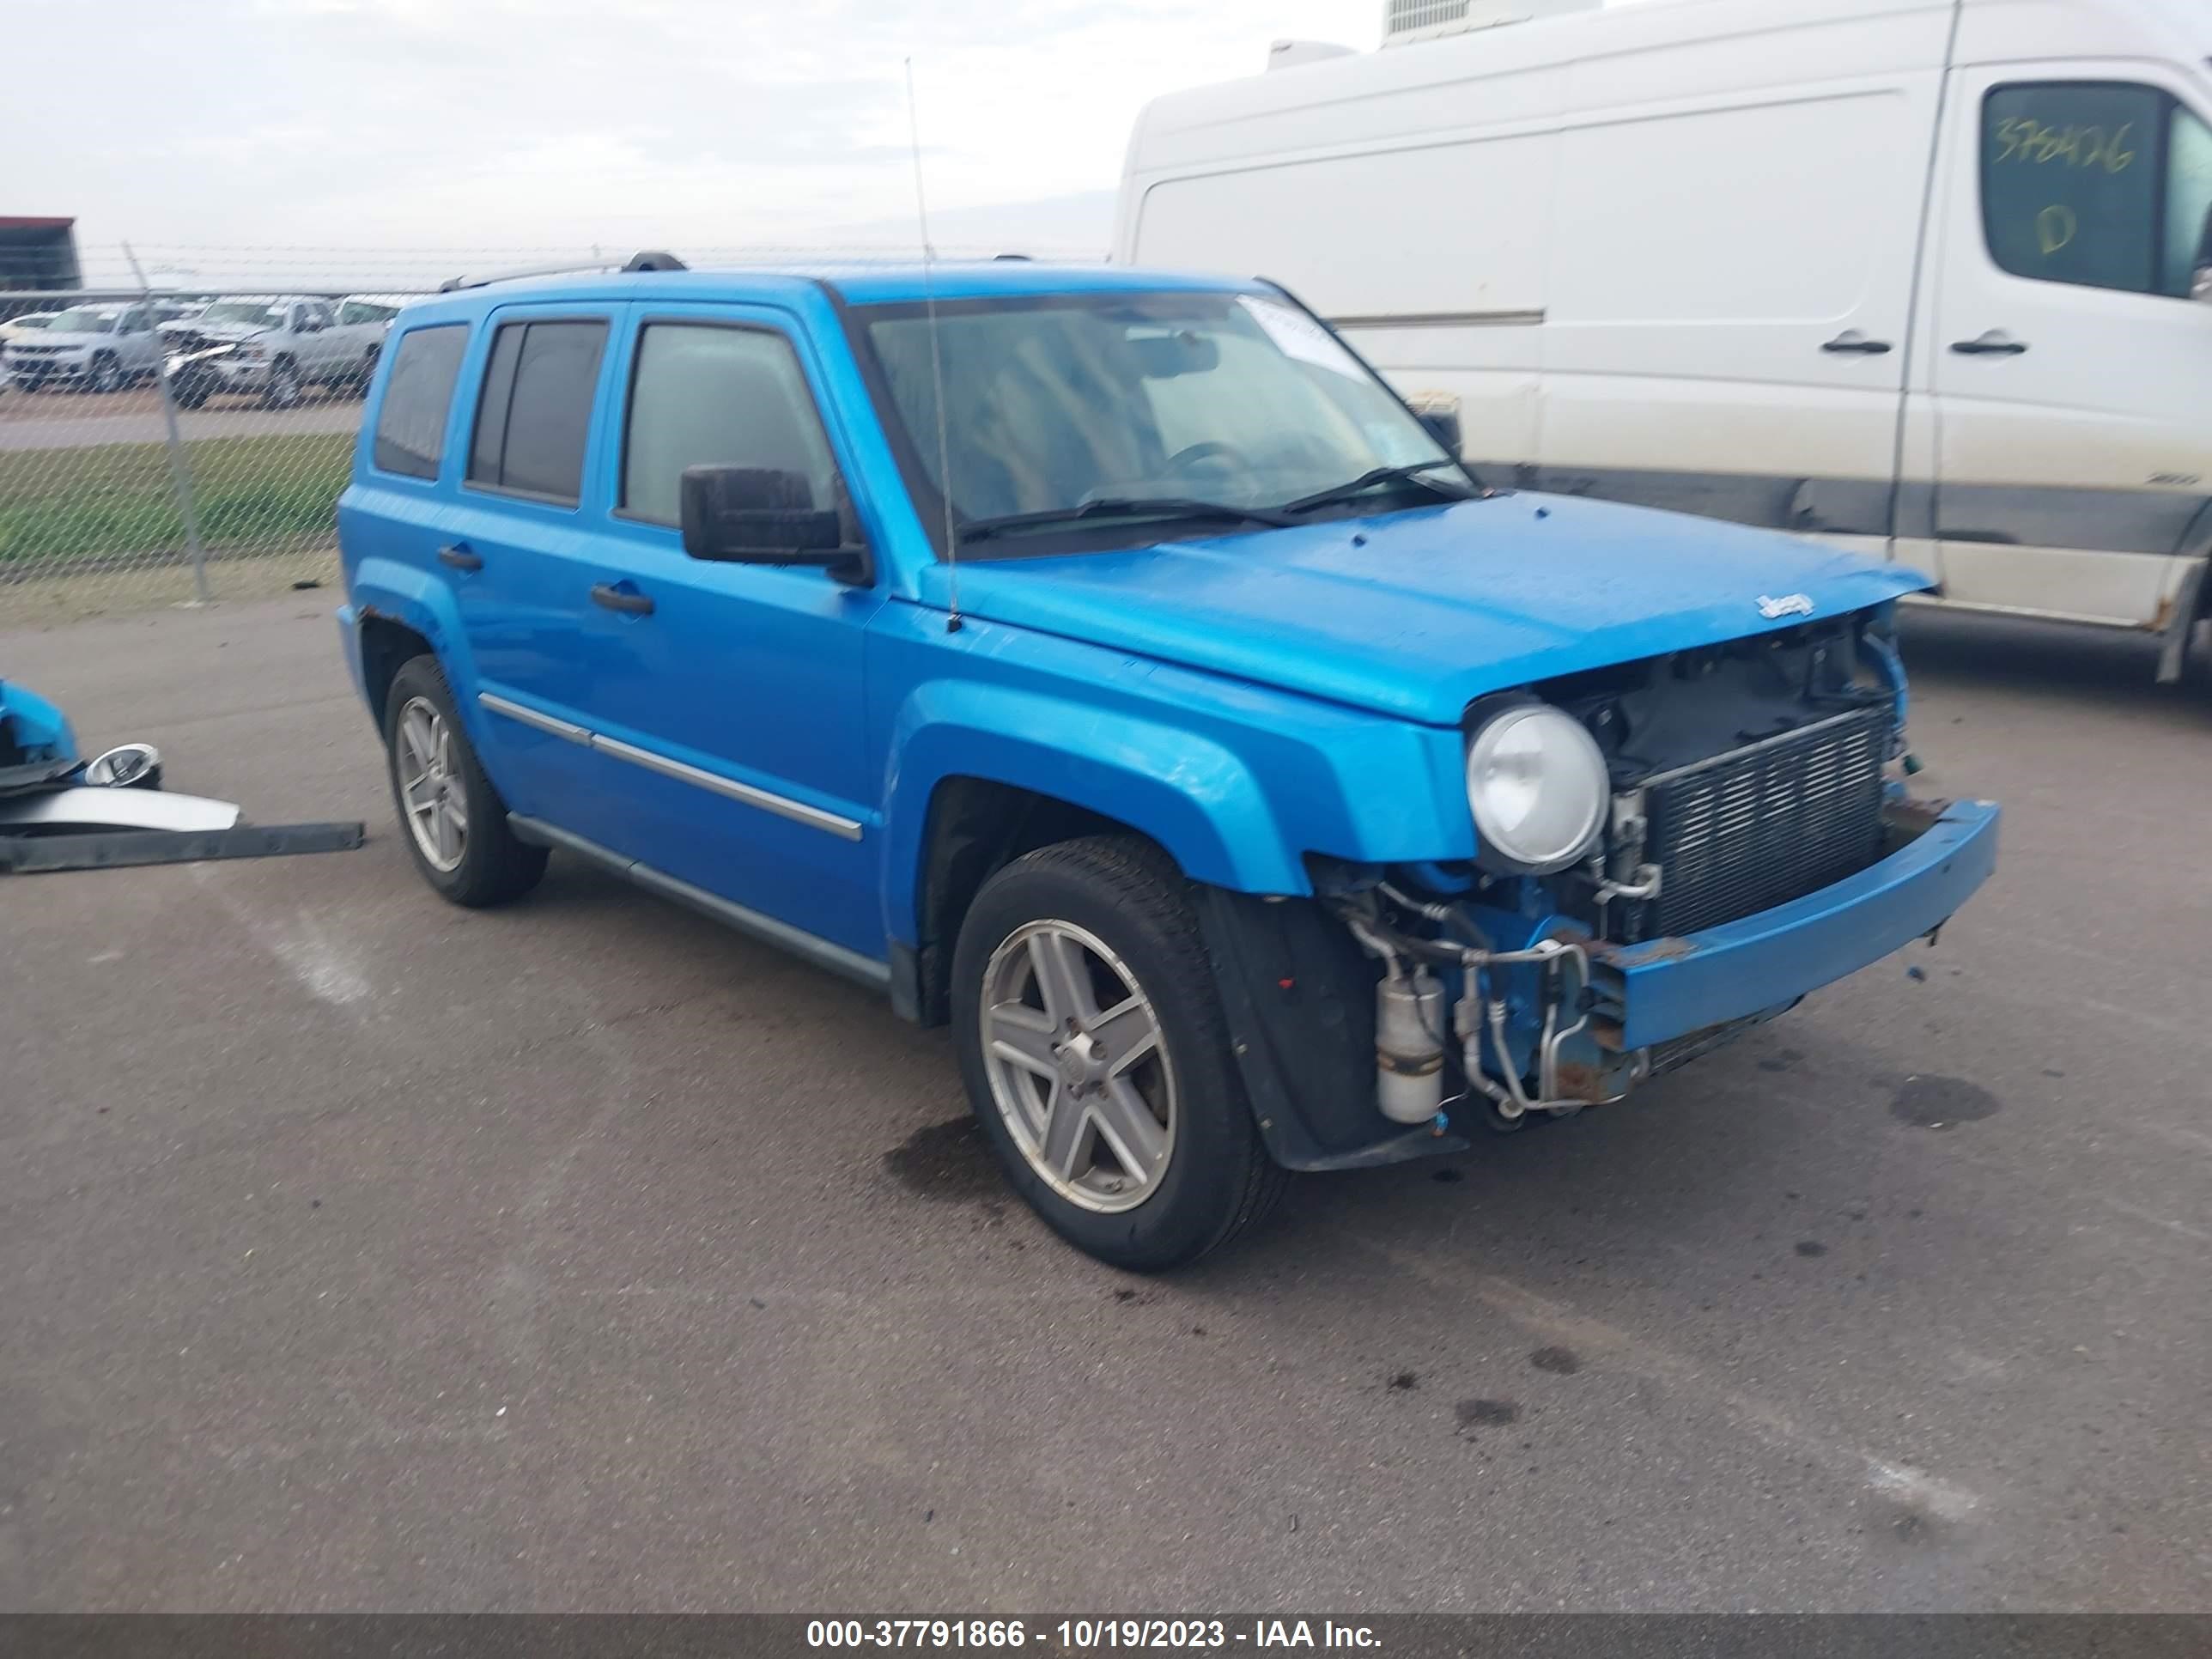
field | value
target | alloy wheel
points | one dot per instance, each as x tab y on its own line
430	787
1079	1065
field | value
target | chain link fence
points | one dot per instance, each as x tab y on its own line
178	430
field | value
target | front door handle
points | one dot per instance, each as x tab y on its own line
615	598
459	557
1995	343
1852	344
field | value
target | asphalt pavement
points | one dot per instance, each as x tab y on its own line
359	1252
76	420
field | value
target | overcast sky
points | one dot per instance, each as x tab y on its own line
511	124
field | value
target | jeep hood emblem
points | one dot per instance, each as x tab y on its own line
1790	604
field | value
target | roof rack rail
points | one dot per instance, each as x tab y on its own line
645	259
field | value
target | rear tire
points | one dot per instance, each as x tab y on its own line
1121	911
433	770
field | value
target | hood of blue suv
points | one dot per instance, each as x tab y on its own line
1418	613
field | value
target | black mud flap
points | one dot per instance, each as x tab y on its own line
1299	994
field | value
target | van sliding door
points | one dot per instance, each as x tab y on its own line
1730	296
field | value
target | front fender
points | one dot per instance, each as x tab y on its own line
1190	794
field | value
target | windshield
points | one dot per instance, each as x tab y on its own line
242	311
36	320
365	311
82	320
1239	400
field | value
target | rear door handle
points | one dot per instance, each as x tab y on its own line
459	557
615	598
1852	344
1995	343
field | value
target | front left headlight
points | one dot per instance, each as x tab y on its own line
1537	784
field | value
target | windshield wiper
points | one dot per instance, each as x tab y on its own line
1382	475
1122	506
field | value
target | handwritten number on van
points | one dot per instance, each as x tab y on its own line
2029	141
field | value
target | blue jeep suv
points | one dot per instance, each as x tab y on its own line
1109	663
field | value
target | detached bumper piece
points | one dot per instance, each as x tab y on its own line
107	813
1653	993
27	855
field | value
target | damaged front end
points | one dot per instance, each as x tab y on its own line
1744	840
197	369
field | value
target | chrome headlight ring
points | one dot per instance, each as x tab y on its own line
1538	787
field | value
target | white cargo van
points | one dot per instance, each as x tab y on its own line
1917	276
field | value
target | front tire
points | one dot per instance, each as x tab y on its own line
454	821
103	376
1097	1056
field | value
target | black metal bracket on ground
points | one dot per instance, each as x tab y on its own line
113	849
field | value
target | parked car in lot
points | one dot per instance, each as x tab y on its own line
359	309
20	327
274	346
1109	663
1922	279
97	348
371	315
30	323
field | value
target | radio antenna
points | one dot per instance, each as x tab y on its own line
936	362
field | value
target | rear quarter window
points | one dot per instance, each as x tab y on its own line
411	426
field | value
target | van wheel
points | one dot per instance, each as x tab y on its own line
1094	1052
455	821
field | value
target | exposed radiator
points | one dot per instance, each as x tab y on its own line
1766	824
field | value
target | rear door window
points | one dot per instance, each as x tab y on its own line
535	410
411	425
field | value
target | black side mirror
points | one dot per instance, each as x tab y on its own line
763	515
